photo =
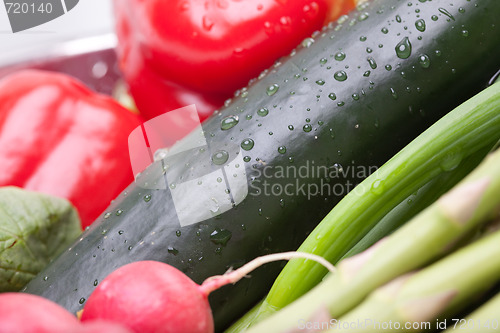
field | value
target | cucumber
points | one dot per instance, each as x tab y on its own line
337	107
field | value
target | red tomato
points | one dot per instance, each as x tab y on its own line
175	53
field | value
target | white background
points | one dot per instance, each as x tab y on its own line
87	18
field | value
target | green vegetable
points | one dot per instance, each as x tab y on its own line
362	117
34	228
440	290
416	202
427	236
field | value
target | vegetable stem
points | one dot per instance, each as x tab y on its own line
233	276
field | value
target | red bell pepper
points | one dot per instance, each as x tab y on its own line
60	138
180	52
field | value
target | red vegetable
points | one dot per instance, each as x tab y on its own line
60	138
151	296
100	326
155	95
175	53
25	313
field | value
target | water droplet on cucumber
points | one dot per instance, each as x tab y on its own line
371	62
229	122
424	61
363	16
394	94
220	157
247	144
272	89
172	250
340	76
420	25
308	42
339	56
263	112
403	48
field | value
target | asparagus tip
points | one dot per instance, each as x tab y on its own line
427	307
349	267
392	288
461	202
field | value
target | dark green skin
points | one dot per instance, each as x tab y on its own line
366	132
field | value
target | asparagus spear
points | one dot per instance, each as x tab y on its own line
485	319
427	236
416	301
469	128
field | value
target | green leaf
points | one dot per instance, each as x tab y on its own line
34	228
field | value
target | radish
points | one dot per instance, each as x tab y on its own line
151	296
100	326
26	313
